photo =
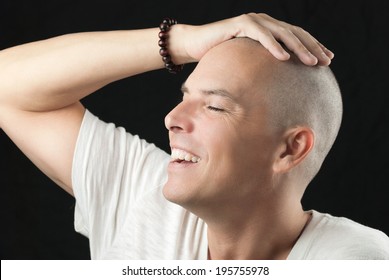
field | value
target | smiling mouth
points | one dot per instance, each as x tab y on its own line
181	156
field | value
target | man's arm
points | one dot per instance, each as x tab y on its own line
41	83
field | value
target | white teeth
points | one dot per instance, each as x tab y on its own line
195	159
182	155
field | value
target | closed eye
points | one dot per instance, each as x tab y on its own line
215	109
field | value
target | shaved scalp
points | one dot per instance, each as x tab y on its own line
300	95
307	96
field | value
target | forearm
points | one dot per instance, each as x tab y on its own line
57	72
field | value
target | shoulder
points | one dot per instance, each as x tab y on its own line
108	154
101	139
330	237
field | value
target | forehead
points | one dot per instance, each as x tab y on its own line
240	68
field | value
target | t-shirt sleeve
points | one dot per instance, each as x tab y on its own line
112	169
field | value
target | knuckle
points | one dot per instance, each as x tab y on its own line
265	16
301	31
301	48
256	16
297	28
284	30
246	17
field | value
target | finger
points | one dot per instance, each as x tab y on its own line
266	38
329	53
294	44
323	55
296	39
282	32
251	27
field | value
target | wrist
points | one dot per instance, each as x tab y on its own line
163	43
177	44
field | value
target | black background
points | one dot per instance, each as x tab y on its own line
37	217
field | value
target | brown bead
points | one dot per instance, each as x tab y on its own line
162	43
164	27
163	52
169	65
163	35
167	58
175	69
167	21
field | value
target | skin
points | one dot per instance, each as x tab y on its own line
42	83
242	186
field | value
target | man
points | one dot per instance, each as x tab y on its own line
259	130
238	171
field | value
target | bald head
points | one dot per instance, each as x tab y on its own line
292	93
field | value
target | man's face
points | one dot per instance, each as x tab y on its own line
222	146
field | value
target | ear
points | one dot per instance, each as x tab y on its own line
297	144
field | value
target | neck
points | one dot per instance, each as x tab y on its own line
267	232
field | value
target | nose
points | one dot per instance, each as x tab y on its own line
179	119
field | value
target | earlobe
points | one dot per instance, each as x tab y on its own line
297	144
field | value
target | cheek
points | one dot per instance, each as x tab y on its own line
227	153
235	148
219	139
244	156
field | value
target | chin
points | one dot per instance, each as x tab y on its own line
174	192
179	193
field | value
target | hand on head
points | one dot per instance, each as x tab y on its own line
260	27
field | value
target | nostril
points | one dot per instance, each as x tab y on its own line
179	119
175	129
172	123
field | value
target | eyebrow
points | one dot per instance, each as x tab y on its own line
220	92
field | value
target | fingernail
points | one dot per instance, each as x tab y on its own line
330	54
285	54
325	57
314	58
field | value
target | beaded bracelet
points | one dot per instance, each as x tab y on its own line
164	28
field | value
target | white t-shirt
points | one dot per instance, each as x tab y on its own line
117	182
